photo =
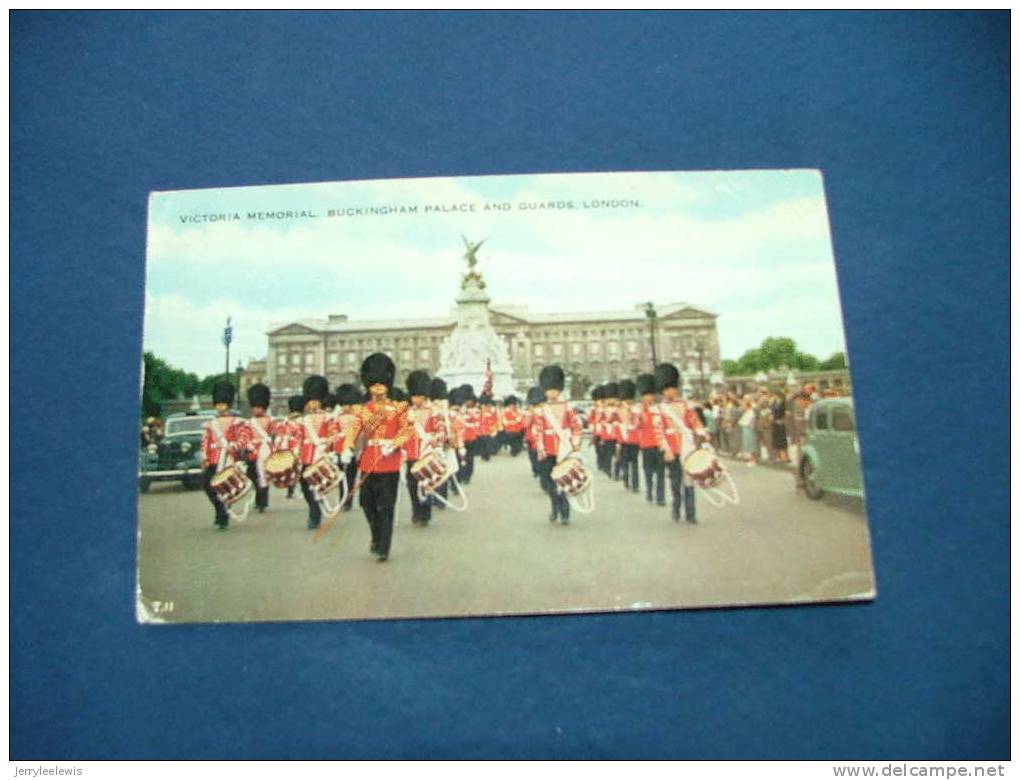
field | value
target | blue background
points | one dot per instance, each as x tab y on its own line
908	117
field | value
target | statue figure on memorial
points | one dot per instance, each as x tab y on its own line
472	260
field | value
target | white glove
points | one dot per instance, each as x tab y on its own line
346	456
462	451
386	450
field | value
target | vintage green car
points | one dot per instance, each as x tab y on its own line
830	460
178	455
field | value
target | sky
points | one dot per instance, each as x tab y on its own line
750	246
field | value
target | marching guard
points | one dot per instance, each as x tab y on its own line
347	397
649	437
261	433
611	429
315	433
222	444
382	426
513	425
534	401
681	429
471	418
287	430
419	415
441	426
630	435
558	434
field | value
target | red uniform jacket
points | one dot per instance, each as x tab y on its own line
231	432
527	425
421	440
513	420
552	422
324	427
472	424
650	427
612	424
631	428
258	436
679	425
378	424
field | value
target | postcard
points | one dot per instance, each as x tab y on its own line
496	395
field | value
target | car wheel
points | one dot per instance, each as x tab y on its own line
143	484
809	477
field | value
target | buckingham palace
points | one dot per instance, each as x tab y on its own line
592	347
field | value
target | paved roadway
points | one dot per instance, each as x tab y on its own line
502	555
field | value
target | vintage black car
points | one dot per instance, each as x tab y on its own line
178	455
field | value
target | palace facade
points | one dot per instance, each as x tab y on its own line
592	347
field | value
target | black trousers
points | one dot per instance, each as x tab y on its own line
421	510
683	495
487	447
629	467
378	499
515	442
222	518
351	470
533	457
560	504
314	510
654	467
467	468
261	493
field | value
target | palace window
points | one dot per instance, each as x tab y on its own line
613	347
405	356
595	348
281	359
295	358
539	350
334	358
557	349
309	359
575	349
631	347
425	355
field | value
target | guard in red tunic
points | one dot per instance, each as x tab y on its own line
287	430
513	425
347	398
488	427
382	428
629	412
649	437
418	415
611	428
223	443
471	417
534	401
316	432
595	422
261	432
440	426
558	431
682	432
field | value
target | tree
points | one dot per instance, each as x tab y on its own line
162	382
835	361
774	353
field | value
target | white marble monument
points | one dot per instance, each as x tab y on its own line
463	353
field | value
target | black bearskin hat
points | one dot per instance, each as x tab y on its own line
486	400
666	375
258	395
437	390
329	401
315	388
612	390
510	400
535	396
627	390
223	393
397	394
551	378
596	393
418	383
467	393
646	384
347	394
456	396
296	403
378	369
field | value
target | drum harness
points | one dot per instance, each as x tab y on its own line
320	454
221	440
561	433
